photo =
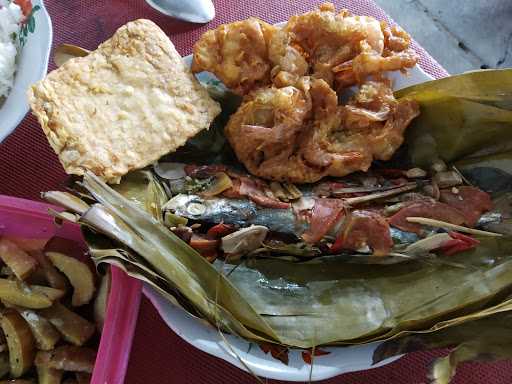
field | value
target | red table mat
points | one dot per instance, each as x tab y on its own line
28	166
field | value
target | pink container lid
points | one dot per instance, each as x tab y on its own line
25	218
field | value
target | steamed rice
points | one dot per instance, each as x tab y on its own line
10	18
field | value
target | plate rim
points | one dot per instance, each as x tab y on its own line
14	120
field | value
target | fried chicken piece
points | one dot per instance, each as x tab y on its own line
301	134
237	53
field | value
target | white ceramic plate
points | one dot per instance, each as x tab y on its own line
207	339
32	66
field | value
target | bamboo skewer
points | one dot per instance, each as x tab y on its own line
445	225
380	195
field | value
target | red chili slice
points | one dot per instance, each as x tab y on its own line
465	238
456	246
459	243
203	245
25	5
219	230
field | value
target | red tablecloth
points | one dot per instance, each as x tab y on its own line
28	166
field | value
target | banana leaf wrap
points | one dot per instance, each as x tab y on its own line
465	121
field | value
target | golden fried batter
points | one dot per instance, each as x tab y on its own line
301	135
395	55
236	53
290	126
314	43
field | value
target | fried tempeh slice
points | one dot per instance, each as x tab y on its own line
72	327
68	358
123	106
79	275
19	340
20	262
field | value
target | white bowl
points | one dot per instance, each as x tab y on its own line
248	356
32	67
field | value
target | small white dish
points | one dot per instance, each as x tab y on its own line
32	67
248	356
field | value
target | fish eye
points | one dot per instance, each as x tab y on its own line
195	208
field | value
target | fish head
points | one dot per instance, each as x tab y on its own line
191	206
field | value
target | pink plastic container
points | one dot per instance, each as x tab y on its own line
25	218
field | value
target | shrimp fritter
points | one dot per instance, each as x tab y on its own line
301	134
291	125
236	53
317	41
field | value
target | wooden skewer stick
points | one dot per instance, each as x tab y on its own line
380	195
442	224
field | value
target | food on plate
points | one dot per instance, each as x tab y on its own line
20	262
299	218
300	136
11	17
47	375
36	322
237	53
100	303
250	54
68	358
45	334
359	215
20	342
79	275
291	126
54	278
74	328
18	293
136	101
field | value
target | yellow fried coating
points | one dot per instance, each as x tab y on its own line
291	125
301	134
123	106
236	53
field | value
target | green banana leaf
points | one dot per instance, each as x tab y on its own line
329	302
309	304
463	115
142	188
